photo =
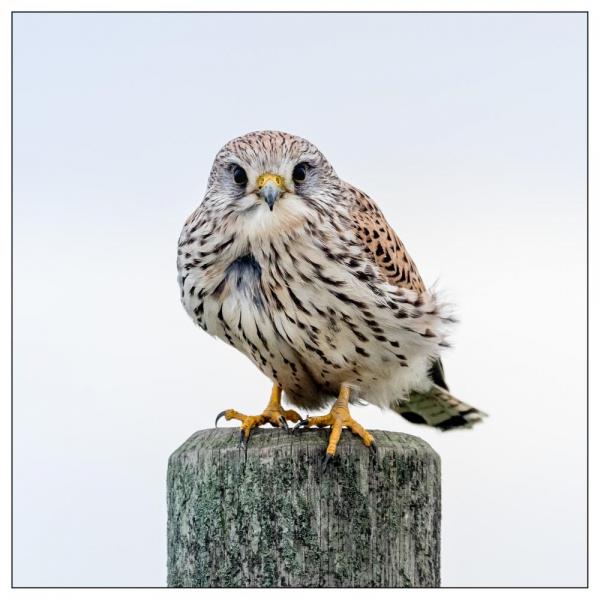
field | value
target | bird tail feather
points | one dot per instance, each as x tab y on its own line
438	408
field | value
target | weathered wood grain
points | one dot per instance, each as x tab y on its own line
271	518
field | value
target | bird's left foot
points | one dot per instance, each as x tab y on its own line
338	418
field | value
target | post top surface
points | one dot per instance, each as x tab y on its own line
310	440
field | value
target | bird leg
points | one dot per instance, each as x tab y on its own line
273	414
338	418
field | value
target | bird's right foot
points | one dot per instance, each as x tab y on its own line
273	414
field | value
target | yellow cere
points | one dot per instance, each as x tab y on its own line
263	179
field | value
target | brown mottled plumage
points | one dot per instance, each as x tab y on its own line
383	244
301	272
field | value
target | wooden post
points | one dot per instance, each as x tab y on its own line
271	518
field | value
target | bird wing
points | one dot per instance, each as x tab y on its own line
382	244
387	252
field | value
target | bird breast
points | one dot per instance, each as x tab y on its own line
295	295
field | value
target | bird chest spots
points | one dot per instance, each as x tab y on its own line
244	270
242	276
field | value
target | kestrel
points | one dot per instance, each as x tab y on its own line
301	272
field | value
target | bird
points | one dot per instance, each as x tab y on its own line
301	272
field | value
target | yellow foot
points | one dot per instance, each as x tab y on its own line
338	418
273	414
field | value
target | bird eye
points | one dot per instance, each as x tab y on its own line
239	175
299	173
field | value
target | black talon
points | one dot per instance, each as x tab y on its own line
325	462
244	440
373	448
221	414
244	443
283	423
300	425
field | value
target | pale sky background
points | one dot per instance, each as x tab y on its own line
470	133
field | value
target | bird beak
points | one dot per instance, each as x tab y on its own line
270	187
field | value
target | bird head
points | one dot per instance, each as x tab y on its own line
269	181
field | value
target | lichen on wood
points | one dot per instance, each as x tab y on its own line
269	517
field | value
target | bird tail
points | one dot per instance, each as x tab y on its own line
438	408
